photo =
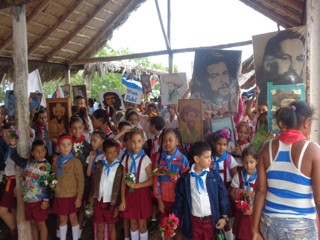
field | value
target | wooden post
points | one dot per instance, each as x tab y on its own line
22	114
313	60
68	77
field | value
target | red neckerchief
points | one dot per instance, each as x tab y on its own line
291	136
80	139
40	127
240	143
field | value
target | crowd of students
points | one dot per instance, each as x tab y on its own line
132	166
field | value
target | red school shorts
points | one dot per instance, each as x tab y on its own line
103	213
34	212
202	228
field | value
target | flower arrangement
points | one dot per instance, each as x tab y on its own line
78	147
168	225
245	199
130	178
49	180
162	171
88	210
260	136
219	235
12	135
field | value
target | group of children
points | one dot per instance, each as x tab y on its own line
120	177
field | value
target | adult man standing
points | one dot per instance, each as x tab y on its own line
283	61
190	133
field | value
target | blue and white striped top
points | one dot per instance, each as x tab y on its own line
290	193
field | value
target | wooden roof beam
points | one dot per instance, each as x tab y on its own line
9	3
75	31
34	13
286	23
51	29
104	29
296	5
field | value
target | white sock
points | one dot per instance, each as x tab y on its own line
153	220
80	233
63	232
228	235
58	233
75	232
144	236
134	235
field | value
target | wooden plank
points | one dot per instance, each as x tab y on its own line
9	3
36	63
51	29
74	32
155	53
21	101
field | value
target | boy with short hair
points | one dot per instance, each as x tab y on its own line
106	190
202	200
156	126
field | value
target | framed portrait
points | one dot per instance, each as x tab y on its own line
146	84
215	79
66	90
9	103
59	113
111	98
219	123
280	58
79	90
281	96
35	99
172	87
190	120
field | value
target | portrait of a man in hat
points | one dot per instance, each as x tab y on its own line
172	87
190	120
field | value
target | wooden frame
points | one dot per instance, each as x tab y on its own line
79	90
66	90
186	106
59	113
281	96
176	83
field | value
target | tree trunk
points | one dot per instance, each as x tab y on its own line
22	113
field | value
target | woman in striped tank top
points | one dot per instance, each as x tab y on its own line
288	191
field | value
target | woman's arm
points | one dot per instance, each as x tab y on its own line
315	174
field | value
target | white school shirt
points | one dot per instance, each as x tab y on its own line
98	158
174	123
200	201
143	176
233	164
106	183
236	182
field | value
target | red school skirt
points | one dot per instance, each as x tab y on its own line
138	204
64	206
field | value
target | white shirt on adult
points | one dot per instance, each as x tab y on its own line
172	124
200	201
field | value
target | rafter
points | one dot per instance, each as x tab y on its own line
105	28
51	29
76	30
31	16
9	3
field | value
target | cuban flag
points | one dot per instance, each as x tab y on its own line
58	93
132	82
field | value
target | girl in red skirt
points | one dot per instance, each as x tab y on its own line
136	202
70	187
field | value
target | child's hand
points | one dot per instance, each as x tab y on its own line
44	205
237	151
77	203
160	205
221	223
248	212
116	213
92	155
132	185
122	206
54	158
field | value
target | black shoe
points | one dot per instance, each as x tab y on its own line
152	225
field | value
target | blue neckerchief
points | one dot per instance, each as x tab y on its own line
216	162
6	155
199	180
125	153
107	166
133	167
171	158
246	182
94	160
62	161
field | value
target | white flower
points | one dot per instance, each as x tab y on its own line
54	182
78	147
45	182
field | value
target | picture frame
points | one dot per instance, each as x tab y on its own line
146	84
172	87
219	123
58	113
66	90
190	111
9	103
35	99
280	96
79	90
116	99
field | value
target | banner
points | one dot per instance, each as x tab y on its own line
133	96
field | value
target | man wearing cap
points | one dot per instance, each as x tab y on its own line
189	115
173	81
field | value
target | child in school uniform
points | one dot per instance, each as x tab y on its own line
97	154
202	202
137	204
70	187
245	179
156	126
172	160
106	190
123	128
